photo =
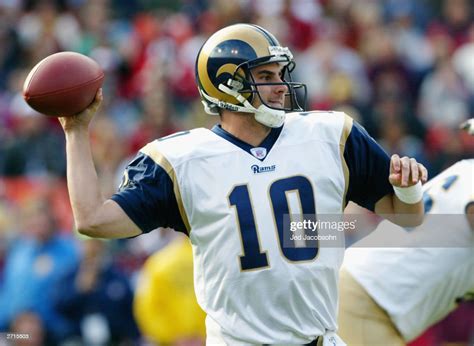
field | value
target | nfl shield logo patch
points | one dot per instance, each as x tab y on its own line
259	152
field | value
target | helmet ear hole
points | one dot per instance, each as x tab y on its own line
242	83
242	77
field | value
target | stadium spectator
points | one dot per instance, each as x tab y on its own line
38	256
34	149
96	299
165	305
28	330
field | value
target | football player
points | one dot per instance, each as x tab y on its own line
229	189
392	295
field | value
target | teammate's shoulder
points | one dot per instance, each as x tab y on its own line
468	163
460	167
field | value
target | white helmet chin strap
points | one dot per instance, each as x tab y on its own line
263	114
269	117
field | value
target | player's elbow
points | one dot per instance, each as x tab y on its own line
88	229
100	227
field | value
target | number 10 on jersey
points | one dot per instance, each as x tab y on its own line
240	198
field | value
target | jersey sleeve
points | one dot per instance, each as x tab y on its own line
369	167
147	196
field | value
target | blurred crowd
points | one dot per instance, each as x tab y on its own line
402	68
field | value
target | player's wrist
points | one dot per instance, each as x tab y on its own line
409	195
76	134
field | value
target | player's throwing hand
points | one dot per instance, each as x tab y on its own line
82	119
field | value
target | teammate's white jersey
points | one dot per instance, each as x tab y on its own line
419	286
232	199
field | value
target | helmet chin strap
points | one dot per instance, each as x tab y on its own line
263	114
269	117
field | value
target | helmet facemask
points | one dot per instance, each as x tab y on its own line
244	88
295	97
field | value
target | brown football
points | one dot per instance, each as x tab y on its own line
63	84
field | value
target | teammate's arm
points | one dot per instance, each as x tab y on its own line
93	214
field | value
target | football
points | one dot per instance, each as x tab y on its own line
63	84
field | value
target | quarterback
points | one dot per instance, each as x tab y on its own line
230	187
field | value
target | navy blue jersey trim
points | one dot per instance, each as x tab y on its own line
147	196
369	167
267	143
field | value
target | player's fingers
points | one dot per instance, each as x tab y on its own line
423	172
93	107
395	164
99	95
414	170
405	166
97	100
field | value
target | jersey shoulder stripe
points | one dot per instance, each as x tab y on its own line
183	146
152	151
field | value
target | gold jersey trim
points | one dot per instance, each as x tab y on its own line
346	131
151	151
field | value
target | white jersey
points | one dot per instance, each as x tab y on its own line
232	199
418	286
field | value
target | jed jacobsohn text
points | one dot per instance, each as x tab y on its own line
313	226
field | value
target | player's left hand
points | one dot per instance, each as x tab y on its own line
405	171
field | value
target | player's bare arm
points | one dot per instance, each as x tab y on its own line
93	214
406	176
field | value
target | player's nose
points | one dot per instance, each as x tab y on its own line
281	88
